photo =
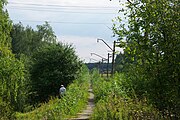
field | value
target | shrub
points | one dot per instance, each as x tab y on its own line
54	64
114	103
6	111
68	106
12	87
117	108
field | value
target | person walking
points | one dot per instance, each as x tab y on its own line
62	91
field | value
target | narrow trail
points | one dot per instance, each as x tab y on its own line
86	114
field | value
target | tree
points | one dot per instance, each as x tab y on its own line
22	39
152	46
54	64
12	90
46	33
26	40
5	26
120	62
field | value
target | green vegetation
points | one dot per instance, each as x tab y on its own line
73	102
33	65
5	26
12	86
52	66
48	64
113	102
150	61
26	40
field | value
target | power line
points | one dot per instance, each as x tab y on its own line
65	22
63	6
62	22
62	11
46	7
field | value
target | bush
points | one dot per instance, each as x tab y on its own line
12	87
6	111
54	64
117	108
68	106
114	101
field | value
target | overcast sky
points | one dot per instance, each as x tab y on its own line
79	22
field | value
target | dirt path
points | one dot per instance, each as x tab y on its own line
85	115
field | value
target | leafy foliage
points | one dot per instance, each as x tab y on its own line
113	101
37	69
152	52
5	26
68	106
12	85
12	82
6	112
26	40
53	65
120	63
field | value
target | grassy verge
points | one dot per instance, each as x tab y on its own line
113	103
58	109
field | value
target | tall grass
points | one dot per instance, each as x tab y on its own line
69	105
114	103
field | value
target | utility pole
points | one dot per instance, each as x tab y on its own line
99	61
108	65
113	57
113	53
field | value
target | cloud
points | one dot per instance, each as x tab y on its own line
25	13
82	36
73	2
84	46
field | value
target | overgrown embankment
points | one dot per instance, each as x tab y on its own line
57	109
114	103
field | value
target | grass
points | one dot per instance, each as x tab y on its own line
113	103
58	109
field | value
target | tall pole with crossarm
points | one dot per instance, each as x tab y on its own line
113	52
100	57
113	57
108	65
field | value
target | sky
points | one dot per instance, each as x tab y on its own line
76	22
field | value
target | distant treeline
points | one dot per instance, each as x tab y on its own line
102	67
